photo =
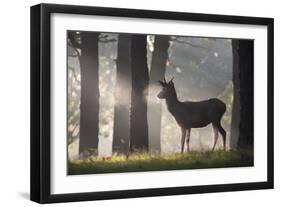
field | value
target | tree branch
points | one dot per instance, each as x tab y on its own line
73	41
74	44
176	39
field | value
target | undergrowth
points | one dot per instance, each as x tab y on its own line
154	162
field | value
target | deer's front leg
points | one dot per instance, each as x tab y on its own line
188	138
183	133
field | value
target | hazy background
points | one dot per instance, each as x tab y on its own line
202	69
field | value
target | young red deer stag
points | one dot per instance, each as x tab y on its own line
193	114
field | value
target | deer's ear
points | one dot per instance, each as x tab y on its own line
161	83
171	83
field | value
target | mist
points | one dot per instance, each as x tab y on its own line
201	68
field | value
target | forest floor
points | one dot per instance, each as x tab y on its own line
154	162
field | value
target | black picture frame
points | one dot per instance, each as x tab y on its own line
41	102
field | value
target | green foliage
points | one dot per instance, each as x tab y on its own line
73	100
152	162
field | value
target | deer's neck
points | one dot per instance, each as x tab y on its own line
172	103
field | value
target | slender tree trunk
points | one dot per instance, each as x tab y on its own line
138	119
157	72
121	130
246	67
236	96
89	107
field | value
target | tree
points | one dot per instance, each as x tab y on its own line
246	64
242	112
138	116
236	96
157	72
121	127
89	107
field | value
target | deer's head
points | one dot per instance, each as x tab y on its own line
168	89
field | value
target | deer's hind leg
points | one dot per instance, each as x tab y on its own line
188	138
183	133
223	134
216	135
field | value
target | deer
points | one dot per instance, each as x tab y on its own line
190	114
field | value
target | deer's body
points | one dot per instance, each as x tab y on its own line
194	114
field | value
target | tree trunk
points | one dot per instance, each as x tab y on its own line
138	119
157	72
121	130
246	67
89	107
234	134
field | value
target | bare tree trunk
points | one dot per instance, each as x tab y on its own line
89	107
157	72
246	67
121	130
138	119
234	134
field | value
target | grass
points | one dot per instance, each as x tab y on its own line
154	162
